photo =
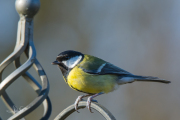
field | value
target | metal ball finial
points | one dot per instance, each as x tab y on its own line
27	7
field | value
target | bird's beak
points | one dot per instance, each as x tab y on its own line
55	63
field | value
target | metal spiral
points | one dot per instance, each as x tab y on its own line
26	9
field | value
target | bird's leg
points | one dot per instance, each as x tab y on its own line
79	98
90	99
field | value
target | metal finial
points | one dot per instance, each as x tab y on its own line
27	7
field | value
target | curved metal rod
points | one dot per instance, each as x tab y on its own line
8	80
46	102
34	84
101	109
9	103
37	87
16	53
44	91
19	50
15	74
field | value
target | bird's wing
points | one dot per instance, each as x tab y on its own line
106	68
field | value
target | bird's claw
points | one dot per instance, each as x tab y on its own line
79	98
89	100
88	105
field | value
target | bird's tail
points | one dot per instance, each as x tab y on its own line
150	79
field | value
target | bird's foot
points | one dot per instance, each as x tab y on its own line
89	100
79	98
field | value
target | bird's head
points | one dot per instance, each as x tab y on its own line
68	59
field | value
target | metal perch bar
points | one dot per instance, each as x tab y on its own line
26	9
101	109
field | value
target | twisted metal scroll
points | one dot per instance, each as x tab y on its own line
25	44
101	109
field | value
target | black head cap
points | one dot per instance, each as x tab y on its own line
66	55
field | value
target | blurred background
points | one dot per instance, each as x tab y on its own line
142	37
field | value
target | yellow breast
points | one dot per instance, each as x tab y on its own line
89	83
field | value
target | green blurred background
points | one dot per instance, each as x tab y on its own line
140	36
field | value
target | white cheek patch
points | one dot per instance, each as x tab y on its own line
72	61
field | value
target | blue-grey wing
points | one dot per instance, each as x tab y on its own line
107	68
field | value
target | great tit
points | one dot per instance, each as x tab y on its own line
94	76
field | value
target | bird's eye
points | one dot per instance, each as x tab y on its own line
66	58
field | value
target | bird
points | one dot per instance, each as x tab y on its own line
94	76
